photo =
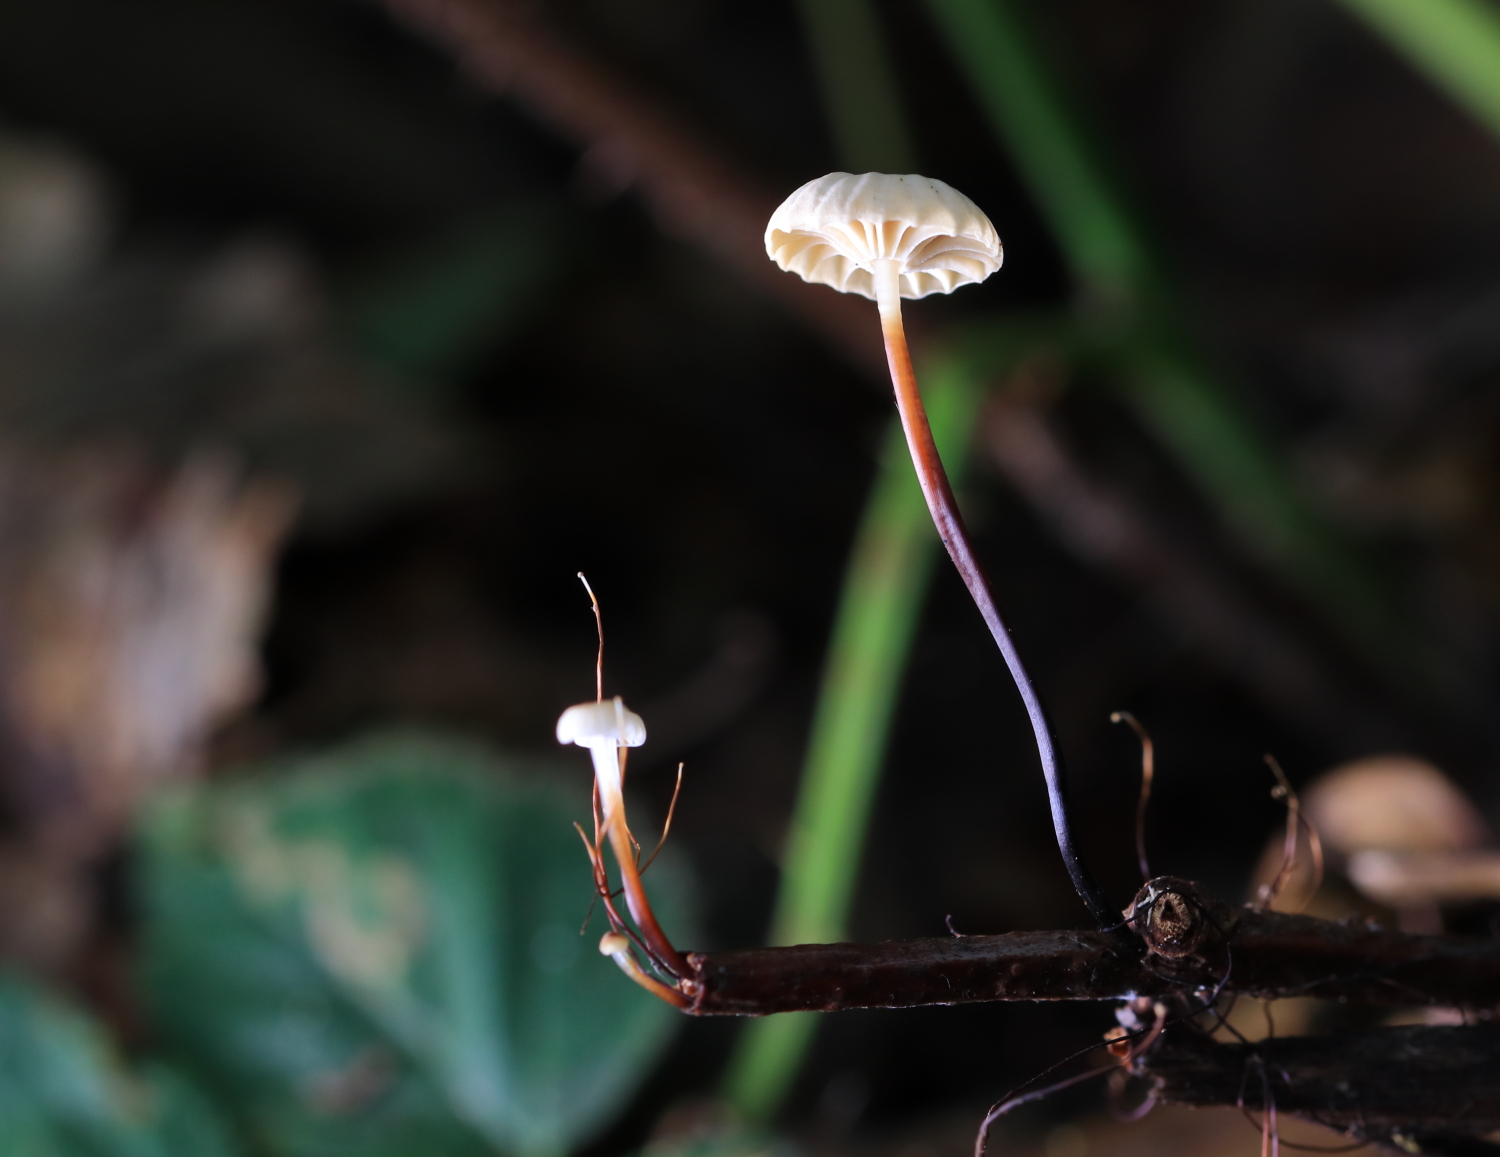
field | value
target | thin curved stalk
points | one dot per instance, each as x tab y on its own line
950	527
630	880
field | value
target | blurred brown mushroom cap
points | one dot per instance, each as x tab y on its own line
830	231
1393	803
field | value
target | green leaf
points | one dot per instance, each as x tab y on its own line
377	951
64	1094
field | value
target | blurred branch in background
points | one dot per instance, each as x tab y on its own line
630	141
1456	43
1101	523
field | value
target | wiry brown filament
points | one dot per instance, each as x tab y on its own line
1141	1041
599	627
1148	773
1295	821
647	933
666	828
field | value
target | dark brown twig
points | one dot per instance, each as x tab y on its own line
1377	1085
1189	938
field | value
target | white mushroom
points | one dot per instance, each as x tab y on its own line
887	236
603	727
617	947
851	232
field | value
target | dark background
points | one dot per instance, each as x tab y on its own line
624	407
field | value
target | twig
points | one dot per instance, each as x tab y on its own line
1375	1085
1189	937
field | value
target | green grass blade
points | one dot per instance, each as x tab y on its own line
860	96
1184	404
1456	43
1065	178
884	588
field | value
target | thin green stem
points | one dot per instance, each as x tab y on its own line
860	96
883	592
1005	67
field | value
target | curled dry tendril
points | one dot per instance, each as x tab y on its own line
1296	820
1148	773
1134	1044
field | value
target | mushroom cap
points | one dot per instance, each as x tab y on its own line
1392	803
832	229
607	720
612	943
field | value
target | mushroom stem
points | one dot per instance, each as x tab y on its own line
950	527
612	802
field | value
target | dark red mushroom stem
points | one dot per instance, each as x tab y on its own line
950	528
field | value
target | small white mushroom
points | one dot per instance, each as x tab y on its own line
617	948
887	236
603	727
850	232
614	945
